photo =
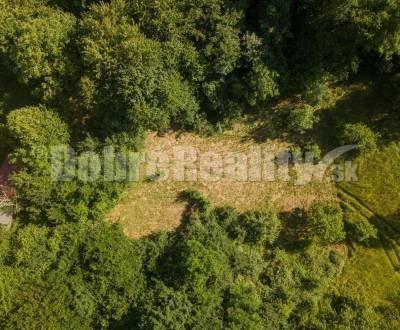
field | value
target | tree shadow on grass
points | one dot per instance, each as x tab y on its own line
371	100
367	101
294	234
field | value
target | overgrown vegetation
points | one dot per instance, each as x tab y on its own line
221	269
95	73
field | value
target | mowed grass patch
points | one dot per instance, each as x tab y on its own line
378	185
370	271
147	207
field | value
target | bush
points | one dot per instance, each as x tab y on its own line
359	228
364	230
260	227
361	135
309	150
32	126
326	222
32	131
302	119
336	258
320	94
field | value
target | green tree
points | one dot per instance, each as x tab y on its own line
243	306
32	130
34	43
326	222
111	266
127	85
36	126
260	227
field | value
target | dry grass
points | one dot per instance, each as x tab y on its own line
147	207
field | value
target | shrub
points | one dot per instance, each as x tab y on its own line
33	130
243	306
314	150
361	135
32	126
226	216
326	222
195	198
309	153
260	227
359	228
321	93
302	119
364	230
336	258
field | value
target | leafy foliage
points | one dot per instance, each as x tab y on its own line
359	228
361	135
107	71
326	221
32	126
259	227
34	44
302	119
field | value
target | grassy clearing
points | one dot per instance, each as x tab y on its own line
147	207
369	270
376	196
378	185
372	269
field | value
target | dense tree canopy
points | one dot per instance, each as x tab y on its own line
34	44
104	72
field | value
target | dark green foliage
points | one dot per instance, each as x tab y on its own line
109	71
74	6
127	85
111	266
165	307
243	306
34	44
41	198
259	227
272	20
351	310
334	37
180	56
70	276
91	275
